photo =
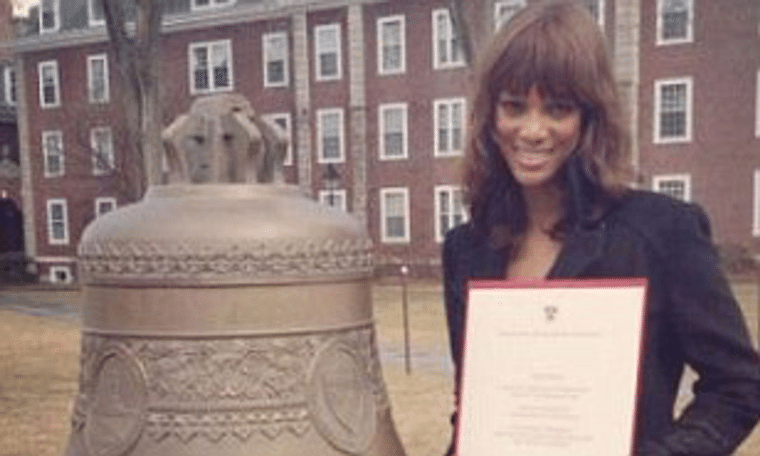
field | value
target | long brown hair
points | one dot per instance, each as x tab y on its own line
559	48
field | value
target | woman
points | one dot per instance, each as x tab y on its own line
544	176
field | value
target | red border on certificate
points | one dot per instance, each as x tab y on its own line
535	417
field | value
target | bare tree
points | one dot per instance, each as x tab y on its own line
137	59
461	25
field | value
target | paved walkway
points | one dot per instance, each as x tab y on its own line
59	304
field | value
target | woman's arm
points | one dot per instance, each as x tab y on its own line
710	330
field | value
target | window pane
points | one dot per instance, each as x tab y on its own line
675	19
456	126
391	39
221	65
328	40
328	64
200	71
443	128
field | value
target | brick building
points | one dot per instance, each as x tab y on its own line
374	96
699	110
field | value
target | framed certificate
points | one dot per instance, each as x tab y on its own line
551	367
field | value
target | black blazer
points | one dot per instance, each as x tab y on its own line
692	316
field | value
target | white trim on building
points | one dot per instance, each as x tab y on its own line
391	44
394	215
331	146
393	131
676	185
673	110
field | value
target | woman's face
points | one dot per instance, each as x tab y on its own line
536	134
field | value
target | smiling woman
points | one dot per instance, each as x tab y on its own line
544	176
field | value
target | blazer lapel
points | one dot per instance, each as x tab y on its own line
487	262
581	250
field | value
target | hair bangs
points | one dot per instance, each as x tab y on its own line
539	56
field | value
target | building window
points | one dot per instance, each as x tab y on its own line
283	121
675	21
327	48
673	110
9	85
204	4
210	67
50	15
676	185
50	96
394	215
334	197
97	78
95	15
391	45
103	160
330	131
449	210
52	153
449	126
61	274
104	205
58	222
276	73
447	43
393	128
504	10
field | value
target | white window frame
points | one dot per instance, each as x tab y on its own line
321	113
55	270
381	22
385	237
41	66
209	46
689	108
451	58
450	190
756	203
757	105
56	4
266	41
658	180
91	59
451	152
211	4
109	155
46	153
93	21
9	85
339	196
277	116
403	107
318	51
104	201
499	8
661	40
64	240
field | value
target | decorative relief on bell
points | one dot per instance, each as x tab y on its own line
142	260
232	387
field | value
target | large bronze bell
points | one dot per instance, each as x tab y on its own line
225	313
